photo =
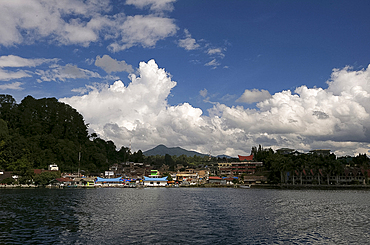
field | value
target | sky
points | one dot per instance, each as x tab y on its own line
214	76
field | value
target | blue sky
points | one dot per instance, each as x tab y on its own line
216	76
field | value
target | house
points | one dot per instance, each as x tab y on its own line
109	181
229	180
216	180
237	168
53	167
65	182
284	151
6	175
321	152
189	176
253	179
155	182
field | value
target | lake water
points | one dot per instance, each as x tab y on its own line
184	216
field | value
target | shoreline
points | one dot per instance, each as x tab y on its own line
259	186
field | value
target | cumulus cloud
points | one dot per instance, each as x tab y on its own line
335	118
188	43
143	30
110	65
11	86
254	95
63	73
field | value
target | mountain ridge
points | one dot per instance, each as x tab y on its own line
175	151
172	151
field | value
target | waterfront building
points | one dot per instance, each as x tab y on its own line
155	182
216	180
109	181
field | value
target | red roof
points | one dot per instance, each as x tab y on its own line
64	179
246	158
215	178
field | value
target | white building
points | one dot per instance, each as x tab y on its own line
154	182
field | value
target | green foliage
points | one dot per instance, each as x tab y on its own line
169	178
45	178
8	181
38	132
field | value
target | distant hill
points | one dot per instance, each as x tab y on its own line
172	151
222	156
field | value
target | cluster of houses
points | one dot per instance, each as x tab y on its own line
131	174
244	171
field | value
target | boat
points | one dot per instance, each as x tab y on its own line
245	186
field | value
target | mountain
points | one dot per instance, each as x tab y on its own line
173	151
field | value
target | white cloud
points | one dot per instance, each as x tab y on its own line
9	75
110	65
254	95
188	43
203	92
337	118
62	73
11	86
16	61
216	51
155	5
27	21
214	63
143	30
81	23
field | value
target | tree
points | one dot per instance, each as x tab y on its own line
169	162
44	178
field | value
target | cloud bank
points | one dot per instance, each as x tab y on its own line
335	118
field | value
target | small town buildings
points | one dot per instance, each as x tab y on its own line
238	168
189	176
130	170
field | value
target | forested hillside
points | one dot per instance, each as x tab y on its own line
39	132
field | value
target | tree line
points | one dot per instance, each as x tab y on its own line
276	163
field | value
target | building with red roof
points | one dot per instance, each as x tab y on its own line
246	158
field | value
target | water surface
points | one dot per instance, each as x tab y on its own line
183	216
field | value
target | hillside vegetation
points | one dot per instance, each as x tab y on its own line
39	132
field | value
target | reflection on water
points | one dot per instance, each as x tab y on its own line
183	215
